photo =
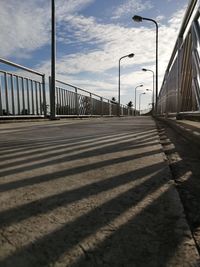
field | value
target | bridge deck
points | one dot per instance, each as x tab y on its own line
89	193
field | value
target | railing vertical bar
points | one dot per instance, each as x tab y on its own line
65	99
12	95
6	93
23	97
40	97
63	104
73	103
18	98
28	98
70	101
36	98
44	95
76	102
101	106
60	100
60	94
32	98
91	104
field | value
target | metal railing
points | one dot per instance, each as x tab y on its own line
21	95
75	101
180	90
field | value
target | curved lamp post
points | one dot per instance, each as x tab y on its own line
53	60
130	56
153	95
140	100
136	95
140	19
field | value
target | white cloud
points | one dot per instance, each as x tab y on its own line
111	42
22	27
160	18
64	8
25	25
28	28
131	6
176	20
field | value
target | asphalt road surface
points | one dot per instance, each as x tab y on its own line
92	192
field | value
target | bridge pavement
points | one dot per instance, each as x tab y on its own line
92	192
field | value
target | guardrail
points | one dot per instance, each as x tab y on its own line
24	95
21	95
180	90
75	101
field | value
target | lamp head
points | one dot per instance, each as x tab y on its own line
144	69
137	18
131	55
140	85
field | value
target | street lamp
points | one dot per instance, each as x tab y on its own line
140	100
130	56
53	60
153	95
135	95
140	19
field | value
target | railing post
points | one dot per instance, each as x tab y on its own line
44	95
6	93
101	106
180	40
91	105
76	101
18	98
13	97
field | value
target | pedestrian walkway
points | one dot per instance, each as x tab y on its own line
91	192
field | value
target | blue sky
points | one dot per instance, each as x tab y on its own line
91	37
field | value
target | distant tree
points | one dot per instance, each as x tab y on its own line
24	111
86	105
130	104
44	107
5	112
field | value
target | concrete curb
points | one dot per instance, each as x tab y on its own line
185	129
